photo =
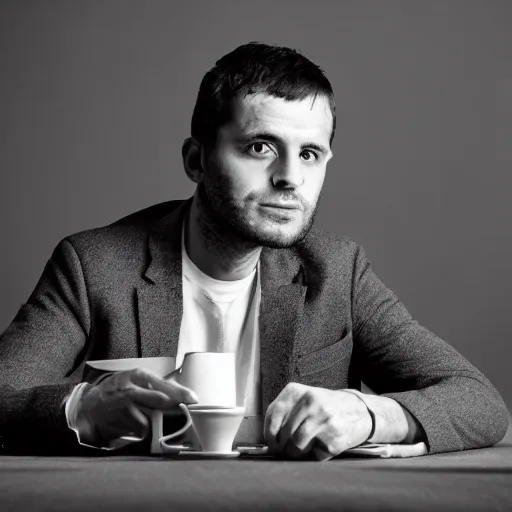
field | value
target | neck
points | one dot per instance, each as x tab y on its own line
215	252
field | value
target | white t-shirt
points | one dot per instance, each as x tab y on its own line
222	316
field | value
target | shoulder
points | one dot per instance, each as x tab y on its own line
122	237
330	256
327	257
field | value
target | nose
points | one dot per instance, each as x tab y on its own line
287	173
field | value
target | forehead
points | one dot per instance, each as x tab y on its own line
310	118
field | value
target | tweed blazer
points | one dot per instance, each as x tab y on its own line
325	320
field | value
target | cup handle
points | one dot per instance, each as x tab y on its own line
158	443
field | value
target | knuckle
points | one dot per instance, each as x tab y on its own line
308	398
276	409
290	390
138	372
329	425
324	411
112	380
279	408
295	388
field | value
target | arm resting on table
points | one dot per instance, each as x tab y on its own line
32	421
392	423
457	407
39	352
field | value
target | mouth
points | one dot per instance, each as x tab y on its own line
282	206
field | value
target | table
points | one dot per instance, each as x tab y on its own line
473	480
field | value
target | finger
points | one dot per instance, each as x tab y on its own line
169	383
274	418
278	412
139	421
150	398
304	435
125	428
328	445
299	413
121	392
178	392
171	388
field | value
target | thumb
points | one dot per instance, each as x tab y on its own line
183	394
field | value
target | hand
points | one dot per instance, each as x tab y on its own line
113	408
304	419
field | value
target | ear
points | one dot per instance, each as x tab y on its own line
192	154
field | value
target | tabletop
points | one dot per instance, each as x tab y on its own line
473	480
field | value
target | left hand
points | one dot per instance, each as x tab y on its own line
303	415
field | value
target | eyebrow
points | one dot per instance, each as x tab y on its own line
272	138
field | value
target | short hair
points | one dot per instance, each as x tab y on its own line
256	68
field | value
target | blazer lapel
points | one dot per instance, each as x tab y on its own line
160	295
283	291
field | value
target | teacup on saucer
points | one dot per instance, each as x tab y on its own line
214	427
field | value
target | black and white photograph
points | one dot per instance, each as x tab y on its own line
255	255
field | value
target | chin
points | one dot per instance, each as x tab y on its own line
272	239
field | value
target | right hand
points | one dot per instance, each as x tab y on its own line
113	408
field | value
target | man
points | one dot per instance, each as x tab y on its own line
239	267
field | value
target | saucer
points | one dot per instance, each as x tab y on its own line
197	454
199	407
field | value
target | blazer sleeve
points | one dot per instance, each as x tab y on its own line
455	404
39	352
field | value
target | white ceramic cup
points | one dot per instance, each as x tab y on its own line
214	430
211	375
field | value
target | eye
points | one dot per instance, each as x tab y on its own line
309	155
258	148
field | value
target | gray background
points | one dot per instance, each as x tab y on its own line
96	99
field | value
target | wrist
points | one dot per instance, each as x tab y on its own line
368	410
390	424
372	417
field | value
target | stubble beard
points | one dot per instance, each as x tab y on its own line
219	213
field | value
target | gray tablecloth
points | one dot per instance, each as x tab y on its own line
473	480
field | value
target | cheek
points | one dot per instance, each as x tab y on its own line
240	175
221	186
313	187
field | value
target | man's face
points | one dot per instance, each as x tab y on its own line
264	175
